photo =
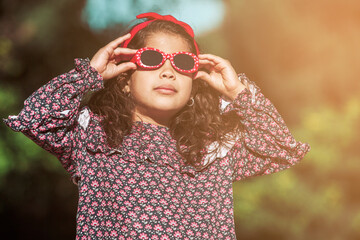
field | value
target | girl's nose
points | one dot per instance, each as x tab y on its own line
167	70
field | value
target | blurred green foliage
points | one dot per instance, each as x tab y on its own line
17	152
319	198
301	53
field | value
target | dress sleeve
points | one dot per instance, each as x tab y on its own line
50	115
266	144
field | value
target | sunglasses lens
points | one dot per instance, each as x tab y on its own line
151	58
184	61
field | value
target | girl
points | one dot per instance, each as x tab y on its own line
153	153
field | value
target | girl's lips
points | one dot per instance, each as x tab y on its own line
166	89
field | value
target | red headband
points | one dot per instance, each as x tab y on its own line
154	16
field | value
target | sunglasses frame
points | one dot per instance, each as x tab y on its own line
137	59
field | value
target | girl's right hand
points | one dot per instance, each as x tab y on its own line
106	60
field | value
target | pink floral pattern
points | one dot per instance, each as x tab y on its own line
143	189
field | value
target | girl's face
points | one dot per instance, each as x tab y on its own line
159	94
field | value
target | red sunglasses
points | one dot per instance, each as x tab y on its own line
151	58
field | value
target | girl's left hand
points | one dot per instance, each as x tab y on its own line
221	75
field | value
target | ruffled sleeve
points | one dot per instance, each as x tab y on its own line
50	114
266	144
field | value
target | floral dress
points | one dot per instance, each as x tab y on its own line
143	189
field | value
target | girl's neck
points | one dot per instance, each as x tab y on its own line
147	119
153	116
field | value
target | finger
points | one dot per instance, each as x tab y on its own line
123	67
215	59
128	51
115	43
211	57
123	54
203	76
206	62
211	79
220	64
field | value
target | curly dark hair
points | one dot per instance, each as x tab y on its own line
194	127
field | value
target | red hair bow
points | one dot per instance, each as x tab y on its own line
154	16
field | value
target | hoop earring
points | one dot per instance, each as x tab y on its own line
126	90
192	101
